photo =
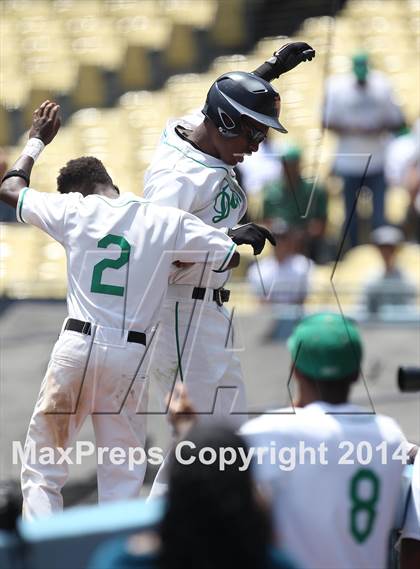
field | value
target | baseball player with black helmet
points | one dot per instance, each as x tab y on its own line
192	170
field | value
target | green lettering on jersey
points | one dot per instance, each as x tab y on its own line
364	495
225	200
97	285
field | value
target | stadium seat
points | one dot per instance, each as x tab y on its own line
136	40
146	38
90	91
230	29
182	52
5	126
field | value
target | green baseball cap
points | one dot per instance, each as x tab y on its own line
326	346
291	152
360	65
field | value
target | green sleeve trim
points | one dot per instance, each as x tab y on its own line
20	204
227	258
178	351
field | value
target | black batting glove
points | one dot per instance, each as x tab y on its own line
285	59
290	55
251	234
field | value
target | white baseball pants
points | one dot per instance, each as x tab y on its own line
195	343
93	375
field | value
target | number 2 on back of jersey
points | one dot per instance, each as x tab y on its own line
364	496
97	285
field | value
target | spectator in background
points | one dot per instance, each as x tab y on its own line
213	517
400	155
391	287
402	168
360	109
412	183
301	204
282	279
260	168
7	213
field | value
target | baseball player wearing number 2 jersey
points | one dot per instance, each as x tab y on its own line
193	170
120	251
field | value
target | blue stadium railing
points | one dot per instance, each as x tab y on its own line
68	539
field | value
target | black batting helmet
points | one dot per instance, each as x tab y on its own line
237	94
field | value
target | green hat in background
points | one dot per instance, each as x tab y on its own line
360	65
326	346
290	152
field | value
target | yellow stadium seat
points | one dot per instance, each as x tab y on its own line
136	70
409	260
73	8
90	90
182	52
5	126
229	29
21	8
82	39
122	8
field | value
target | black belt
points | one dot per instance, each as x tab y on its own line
86	328
220	295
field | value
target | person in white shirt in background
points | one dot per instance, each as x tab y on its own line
391	288
412	184
282	279
360	109
261	168
400	154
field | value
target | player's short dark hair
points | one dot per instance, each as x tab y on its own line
81	175
334	390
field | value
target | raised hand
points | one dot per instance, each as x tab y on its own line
285	59
290	55
45	122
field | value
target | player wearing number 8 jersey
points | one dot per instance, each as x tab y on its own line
120	251
338	512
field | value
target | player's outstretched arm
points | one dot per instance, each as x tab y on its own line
45	125
285	59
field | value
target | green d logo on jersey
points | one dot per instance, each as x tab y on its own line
225	200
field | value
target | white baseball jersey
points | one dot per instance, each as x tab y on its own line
411	529
184	177
337	512
120	252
